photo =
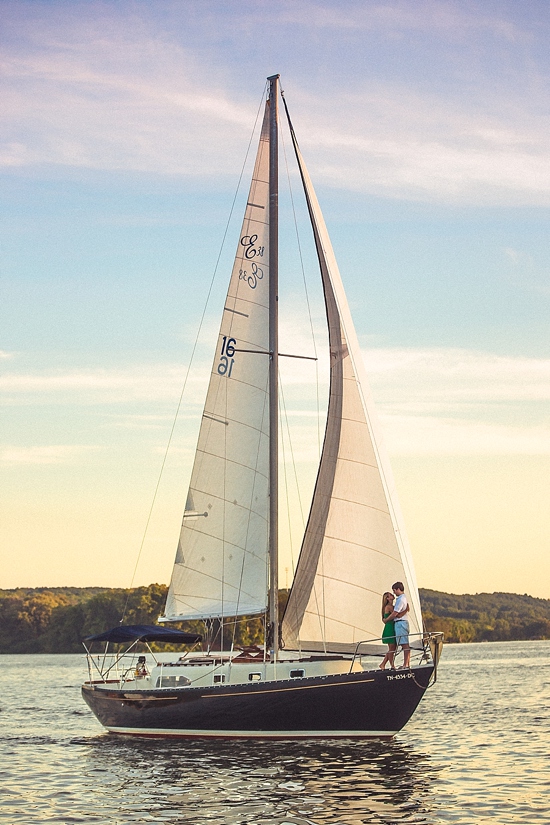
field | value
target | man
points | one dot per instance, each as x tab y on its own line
401	624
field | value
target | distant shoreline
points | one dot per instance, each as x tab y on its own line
55	619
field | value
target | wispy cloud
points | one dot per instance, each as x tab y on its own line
433	435
401	16
449	378
148	382
173	102
51	454
132	421
457	402
426	147
450	382
431	401
59	99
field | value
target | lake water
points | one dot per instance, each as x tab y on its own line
476	751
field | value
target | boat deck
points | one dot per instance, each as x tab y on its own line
202	670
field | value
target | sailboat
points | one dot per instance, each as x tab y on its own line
318	674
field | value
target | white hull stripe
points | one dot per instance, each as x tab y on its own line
263	734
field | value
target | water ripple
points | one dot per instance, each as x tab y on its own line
473	753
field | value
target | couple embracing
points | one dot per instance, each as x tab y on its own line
396	625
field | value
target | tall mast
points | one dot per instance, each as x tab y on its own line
274	364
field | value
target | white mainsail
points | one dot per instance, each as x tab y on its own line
355	546
221	566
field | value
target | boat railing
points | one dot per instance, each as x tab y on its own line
429	648
124	665
115	663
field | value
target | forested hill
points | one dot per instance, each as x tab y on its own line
491	617
55	619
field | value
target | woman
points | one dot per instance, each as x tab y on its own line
388	635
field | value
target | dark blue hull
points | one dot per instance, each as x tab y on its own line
359	705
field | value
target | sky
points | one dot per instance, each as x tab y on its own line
124	129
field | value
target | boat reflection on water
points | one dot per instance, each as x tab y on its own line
291	782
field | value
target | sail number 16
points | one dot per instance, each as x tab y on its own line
226	361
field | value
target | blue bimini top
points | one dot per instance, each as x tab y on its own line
144	633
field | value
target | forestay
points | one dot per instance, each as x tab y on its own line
221	562
355	546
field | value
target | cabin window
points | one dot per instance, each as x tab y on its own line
172	681
297	674
254	677
219	677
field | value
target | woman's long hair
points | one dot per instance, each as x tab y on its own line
385	600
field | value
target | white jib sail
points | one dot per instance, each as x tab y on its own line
221	566
355	546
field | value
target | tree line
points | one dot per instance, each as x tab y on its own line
486	617
55	620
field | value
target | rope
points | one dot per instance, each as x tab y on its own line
305	289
